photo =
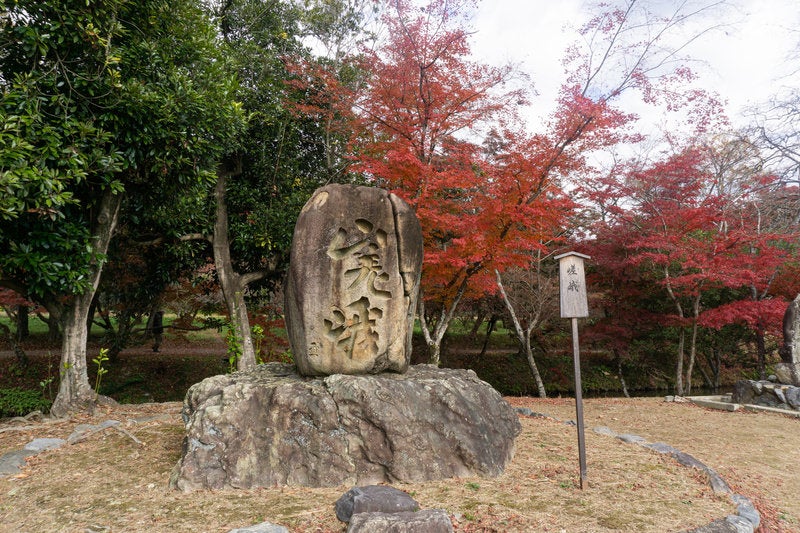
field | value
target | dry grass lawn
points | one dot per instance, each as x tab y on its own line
108	482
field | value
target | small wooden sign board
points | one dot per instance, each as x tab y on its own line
574	305
572	277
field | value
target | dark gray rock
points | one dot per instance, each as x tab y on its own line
729	524
272	427
353	280
793	397
373	499
743	392
429	521
764	393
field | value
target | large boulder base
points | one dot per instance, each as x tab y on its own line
272	427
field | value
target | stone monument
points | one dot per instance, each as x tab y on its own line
352	410
352	287
788	370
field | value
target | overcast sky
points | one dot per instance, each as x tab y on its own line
745	61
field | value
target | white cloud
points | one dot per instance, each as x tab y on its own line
745	60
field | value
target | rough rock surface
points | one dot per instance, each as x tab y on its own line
272	427
353	281
373	499
767	394
428	521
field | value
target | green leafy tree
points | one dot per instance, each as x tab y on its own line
289	149
106	99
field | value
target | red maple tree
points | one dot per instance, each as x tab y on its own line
689	240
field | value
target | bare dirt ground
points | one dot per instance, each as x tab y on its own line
109	482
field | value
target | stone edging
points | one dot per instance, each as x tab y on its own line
746	519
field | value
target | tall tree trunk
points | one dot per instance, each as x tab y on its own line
23	329
473	334
706	377
489	330
74	391
693	344
537	377
620	375
692	357
679	366
682	339
523	336
231	282
761	351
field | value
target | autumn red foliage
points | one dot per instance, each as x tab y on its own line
668	234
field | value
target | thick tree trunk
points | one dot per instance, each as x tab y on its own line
432	339
231	282
23	330
74	392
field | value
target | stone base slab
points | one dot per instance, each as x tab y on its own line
272	427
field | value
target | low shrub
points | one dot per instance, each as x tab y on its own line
20	402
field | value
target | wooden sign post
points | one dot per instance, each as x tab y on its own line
574	305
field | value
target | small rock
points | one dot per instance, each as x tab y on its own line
373	498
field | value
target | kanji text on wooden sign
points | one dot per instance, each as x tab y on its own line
572	278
